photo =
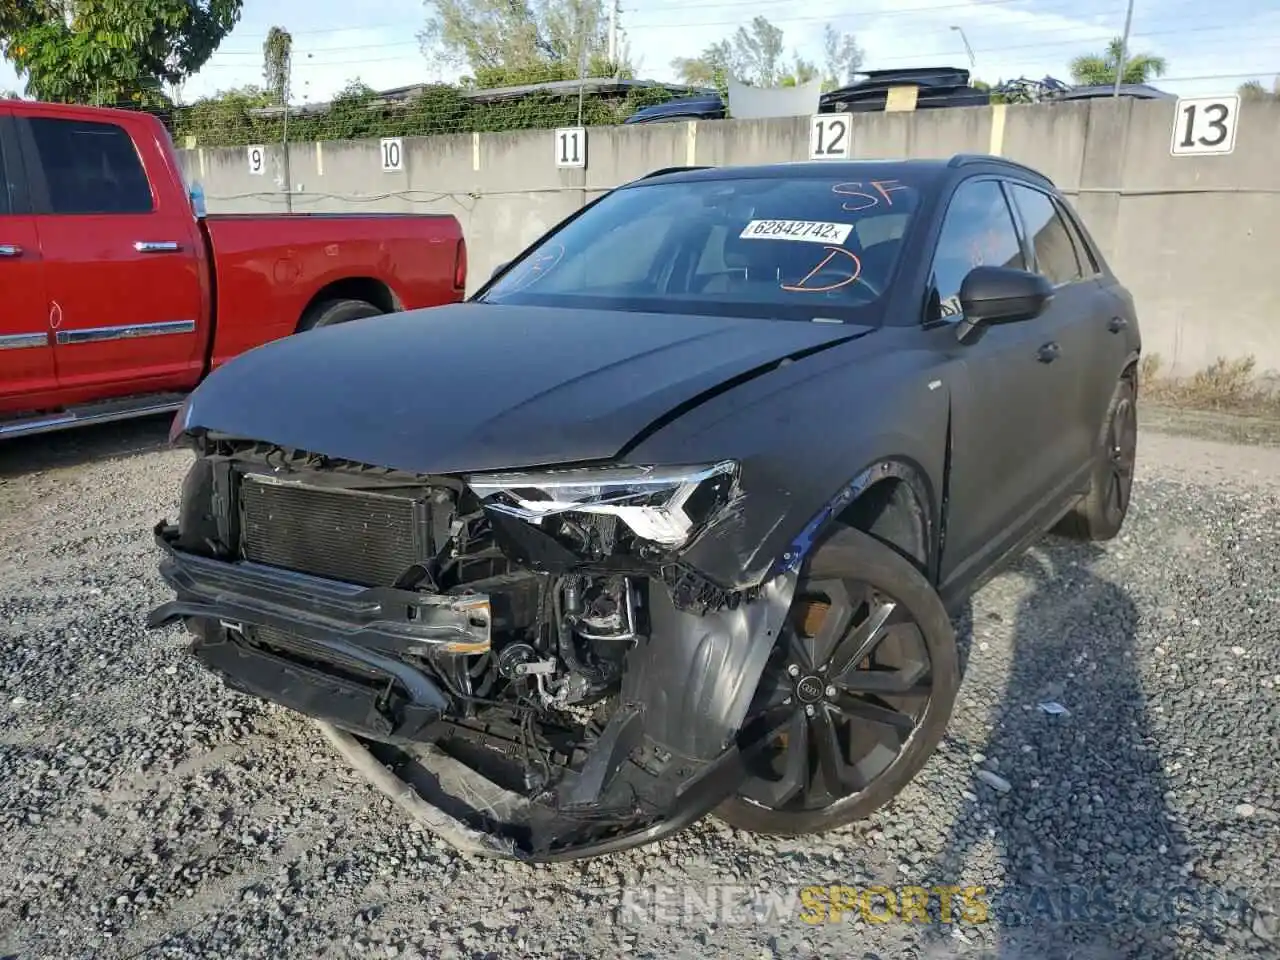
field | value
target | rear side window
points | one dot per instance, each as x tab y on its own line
978	231
1054	251
1088	263
90	167
6	167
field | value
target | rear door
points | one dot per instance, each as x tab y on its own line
1074	326
121	265
27	379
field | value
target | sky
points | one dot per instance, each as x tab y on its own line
1210	47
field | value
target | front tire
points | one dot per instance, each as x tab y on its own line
851	706
1101	512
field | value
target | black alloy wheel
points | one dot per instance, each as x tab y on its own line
1101	513
1122	455
856	696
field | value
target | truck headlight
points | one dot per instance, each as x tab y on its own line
665	505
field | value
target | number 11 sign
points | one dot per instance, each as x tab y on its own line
571	147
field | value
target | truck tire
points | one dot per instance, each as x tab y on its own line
1101	513
328	312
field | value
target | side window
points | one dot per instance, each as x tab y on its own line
1054	252
7	186
978	231
90	167
1088	263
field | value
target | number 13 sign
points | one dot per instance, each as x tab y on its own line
1204	126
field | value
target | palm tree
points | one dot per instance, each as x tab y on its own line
1095	70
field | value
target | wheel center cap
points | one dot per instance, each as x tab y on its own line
809	689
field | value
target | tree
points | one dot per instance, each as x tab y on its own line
520	41
841	57
755	56
277	59
1097	70
1254	90
111	51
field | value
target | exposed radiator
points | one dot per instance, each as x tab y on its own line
356	536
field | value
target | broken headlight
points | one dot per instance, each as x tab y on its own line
664	505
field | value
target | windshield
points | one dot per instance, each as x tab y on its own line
784	247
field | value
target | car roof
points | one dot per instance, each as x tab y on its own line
928	171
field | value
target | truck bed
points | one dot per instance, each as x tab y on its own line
268	268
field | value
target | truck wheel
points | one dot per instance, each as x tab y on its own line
328	312
855	698
1101	513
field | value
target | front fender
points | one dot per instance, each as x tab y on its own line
810	436
695	676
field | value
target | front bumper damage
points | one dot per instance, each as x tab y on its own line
671	752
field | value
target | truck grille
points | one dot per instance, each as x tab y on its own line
355	536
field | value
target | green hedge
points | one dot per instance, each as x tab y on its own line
355	114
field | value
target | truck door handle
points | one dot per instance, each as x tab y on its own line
1048	353
157	246
1117	324
10	250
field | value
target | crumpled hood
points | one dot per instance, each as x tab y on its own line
475	386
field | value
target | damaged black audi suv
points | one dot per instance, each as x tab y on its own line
670	518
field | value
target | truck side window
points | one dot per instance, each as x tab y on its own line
7	187
978	231
90	167
1055	253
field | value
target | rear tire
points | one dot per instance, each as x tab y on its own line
890	677
1100	514
328	312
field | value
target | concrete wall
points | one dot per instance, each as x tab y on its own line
1197	239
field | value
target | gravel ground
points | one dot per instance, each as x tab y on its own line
146	811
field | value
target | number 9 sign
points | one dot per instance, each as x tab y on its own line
257	160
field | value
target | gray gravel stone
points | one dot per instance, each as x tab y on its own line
145	810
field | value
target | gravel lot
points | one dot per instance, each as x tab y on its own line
145	811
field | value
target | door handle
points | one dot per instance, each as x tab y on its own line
10	250
1116	324
157	246
1048	353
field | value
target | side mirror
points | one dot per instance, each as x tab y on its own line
993	295
498	269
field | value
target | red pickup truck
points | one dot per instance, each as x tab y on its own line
119	295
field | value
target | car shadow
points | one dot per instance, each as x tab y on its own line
1065	823
21	456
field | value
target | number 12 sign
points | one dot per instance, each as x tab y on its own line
1204	126
829	137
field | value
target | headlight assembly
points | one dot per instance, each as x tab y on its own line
664	505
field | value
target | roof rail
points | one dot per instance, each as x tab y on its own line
965	159
663	170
